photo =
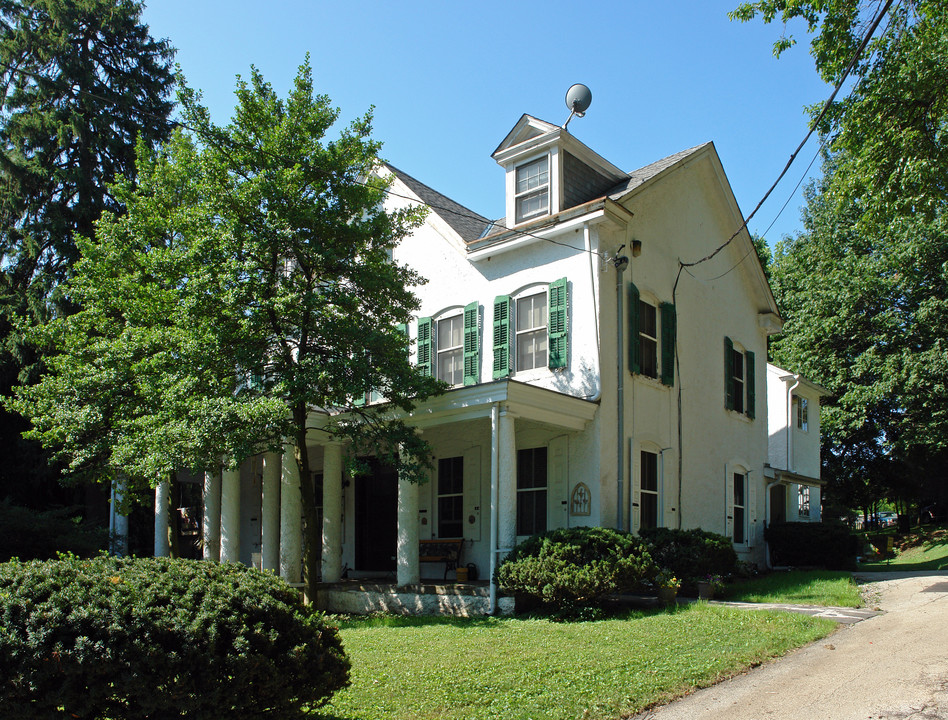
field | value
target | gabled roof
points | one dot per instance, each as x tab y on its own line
465	222
650	172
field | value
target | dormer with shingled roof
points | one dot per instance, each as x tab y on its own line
548	171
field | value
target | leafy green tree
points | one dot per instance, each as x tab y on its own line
81	82
247	290
864	286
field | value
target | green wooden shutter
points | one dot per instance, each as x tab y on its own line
425	346
728	373
501	336
635	350
669	320
558	327
472	345
749	381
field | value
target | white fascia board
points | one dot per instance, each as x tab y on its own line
604	211
527	147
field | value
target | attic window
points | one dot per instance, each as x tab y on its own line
533	189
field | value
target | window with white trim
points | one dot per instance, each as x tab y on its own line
652	331
739	379
648	498
531	491
803	501
648	339
532	194
739	509
801	412
531	333
451	497
450	340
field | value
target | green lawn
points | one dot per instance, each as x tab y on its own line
425	668
926	549
798	587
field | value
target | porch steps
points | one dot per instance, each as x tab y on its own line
454	599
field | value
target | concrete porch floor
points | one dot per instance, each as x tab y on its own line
363	597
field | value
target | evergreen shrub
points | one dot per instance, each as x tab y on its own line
31	535
824	544
691	555
124	638
564	571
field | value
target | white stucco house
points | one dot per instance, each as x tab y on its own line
793	453
606	347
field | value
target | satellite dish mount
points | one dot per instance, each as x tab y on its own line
578	99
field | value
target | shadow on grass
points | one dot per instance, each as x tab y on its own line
794	586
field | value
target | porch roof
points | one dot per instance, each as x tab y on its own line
519	399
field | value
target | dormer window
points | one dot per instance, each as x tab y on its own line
533	189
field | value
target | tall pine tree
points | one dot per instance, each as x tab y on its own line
82	82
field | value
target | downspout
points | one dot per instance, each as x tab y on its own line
621	262
587	242
494	478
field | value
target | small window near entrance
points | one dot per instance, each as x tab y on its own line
531	491
803	502
740	509
648	502
450	497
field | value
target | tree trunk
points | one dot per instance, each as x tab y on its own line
312	533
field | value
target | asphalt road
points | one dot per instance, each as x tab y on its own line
890	666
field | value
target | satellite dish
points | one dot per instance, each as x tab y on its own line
578	99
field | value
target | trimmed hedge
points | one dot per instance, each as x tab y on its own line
691	555
30	535
124	638
824	544
566	570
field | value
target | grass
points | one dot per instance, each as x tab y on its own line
925	549
798	587
426	668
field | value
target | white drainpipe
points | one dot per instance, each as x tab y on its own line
494	480
790	390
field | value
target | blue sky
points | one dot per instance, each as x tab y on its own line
448	81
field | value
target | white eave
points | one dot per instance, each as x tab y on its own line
602	210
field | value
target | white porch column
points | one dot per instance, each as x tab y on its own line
270	531
211	527
162	518
332	512
291	525
230	515
406	555
506	485
118	522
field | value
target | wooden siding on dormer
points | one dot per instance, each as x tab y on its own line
581	183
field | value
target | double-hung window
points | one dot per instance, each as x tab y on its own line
648	494
449	347
531	337
533	189
801	412
739	509
652	333
531	331
450	339
739	379
451	497
531	491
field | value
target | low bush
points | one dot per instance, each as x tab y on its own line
124	638
565	571
829	545
30	535
691	555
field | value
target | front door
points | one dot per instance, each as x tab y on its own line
376	518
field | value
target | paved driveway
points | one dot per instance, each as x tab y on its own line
891	666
